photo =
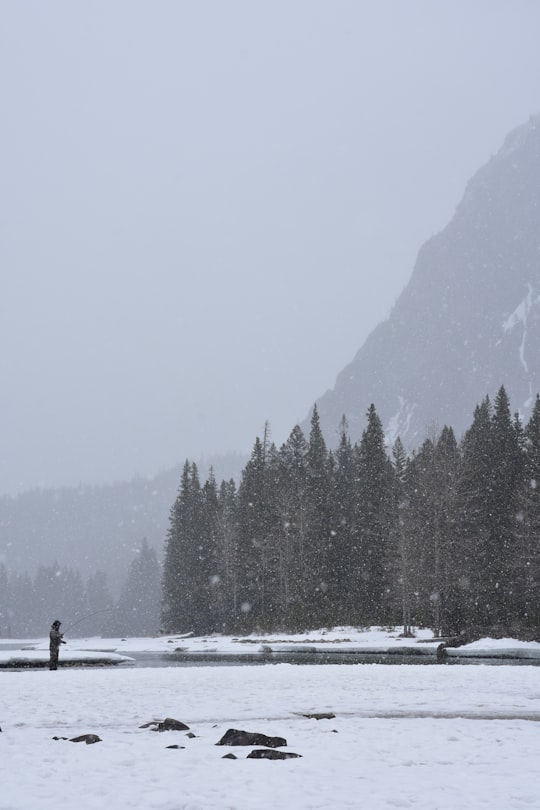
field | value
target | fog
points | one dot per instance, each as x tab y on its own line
205	208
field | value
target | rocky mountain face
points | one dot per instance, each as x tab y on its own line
467	322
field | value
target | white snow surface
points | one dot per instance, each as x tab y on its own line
520	316
420	736
400	422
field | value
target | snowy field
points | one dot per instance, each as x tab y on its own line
426	736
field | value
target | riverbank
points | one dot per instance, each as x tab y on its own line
343	645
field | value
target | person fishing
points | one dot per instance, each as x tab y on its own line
55	639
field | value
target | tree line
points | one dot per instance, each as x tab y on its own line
28	605
447	538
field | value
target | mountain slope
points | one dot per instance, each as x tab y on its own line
89	528
469	318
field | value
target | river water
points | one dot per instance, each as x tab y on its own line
145	659
313	657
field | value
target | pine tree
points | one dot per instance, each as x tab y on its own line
445	480
291	508
488	504
375	516
226	590
318	526
257	532
419	519
344	544
199	565
401	553
210	570
171	600
182	598
507	468
526	569
470	598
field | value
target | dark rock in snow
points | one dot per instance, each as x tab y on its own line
230	756
265	753
169	724
320	716
175	746
234	736
89	739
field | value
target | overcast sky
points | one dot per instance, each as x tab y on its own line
205	207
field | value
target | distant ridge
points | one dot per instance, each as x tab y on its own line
469	318
90	528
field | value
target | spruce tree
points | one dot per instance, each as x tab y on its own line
487	504
182	598
256	527
526	567
375	515
210	564
171	599
445	484
401	555
507	468
318	526
291	510
344	542
418	520
227	557
470	587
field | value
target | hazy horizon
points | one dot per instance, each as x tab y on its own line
206	208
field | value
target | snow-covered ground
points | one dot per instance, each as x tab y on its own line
433	737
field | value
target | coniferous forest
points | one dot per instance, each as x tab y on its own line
447	538
29	604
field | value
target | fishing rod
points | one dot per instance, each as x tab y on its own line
89	616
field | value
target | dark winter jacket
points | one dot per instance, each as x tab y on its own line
55	639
